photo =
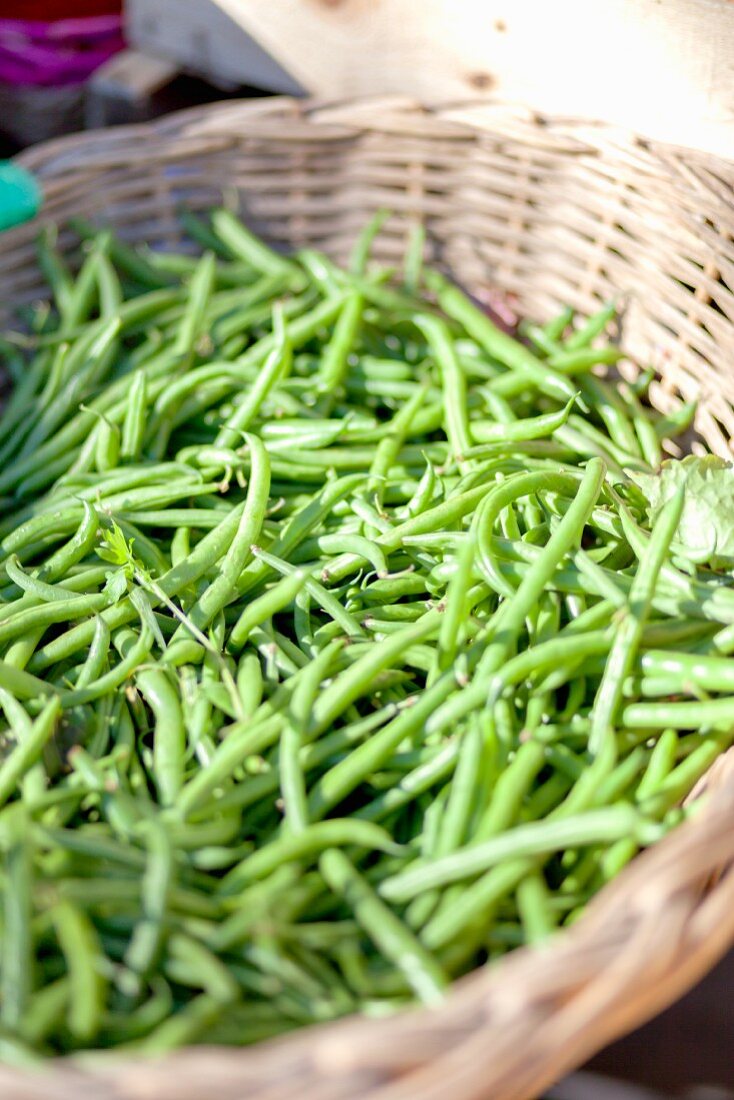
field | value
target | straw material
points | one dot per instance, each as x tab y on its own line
529	213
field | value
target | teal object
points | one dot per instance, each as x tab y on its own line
20	195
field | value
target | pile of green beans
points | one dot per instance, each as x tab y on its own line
337	654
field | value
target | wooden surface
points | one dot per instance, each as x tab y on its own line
662	67
203	37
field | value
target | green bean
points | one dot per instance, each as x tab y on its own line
683	777
329	603
352	544
265	606
197	518
126	258
46	1011
458	430
594	826
47	593
456	817
350	684
82	378
337	351
133	431
276	367
25	754
309	842
107	448
715	712
499	498
169	738
84	291
16	973
533	903
201	231
65	517
616	857
56	378
618	782
301	523
629	633
590	437
676	422
510	616
229	274
592	327
649	443
424	492
389	446
388	934
344	776
16	658
577	360
135	648
510	789
18	721
662	760
606	400
199	297
15	411
292	780
95	659
54	268
403	791
184	1026
223	589
449	635
360	253
555	328
707	673
81	949
538	335
207	971
147	939
242	740
246	246
495	342
124	1028
109	287
414	257
533	427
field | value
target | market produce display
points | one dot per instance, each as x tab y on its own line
346	640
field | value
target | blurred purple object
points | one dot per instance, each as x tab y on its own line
57	54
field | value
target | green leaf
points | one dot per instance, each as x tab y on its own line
706	531
115	548
142	605
116	585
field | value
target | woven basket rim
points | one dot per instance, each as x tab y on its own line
680	891
461	118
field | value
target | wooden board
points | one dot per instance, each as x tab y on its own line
123	89
662	67
203	37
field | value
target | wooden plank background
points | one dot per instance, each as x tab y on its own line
662	67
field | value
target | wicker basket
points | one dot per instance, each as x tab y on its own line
548	212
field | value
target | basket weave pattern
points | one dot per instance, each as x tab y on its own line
544	212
